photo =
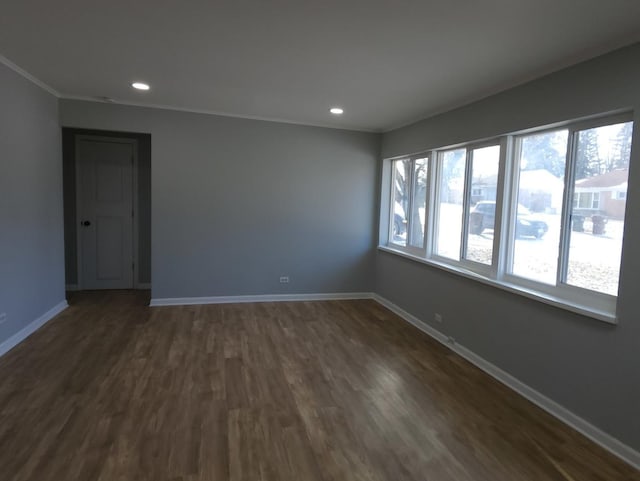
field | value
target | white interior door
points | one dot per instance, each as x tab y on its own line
105	212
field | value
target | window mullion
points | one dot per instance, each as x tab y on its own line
567	205
436	208
430	208
466	200
503	198
427	159
509	210
409	213
392	200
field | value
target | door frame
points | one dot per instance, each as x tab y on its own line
134	204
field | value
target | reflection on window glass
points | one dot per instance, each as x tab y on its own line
401	184
419	202
482	203
450	201
540	190
597	217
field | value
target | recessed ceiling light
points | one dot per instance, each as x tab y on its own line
140	86
336	111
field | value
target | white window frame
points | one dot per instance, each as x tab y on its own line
433	233
592	303
594	199
594	300
409	248
487	270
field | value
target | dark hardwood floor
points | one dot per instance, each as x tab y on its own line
323	391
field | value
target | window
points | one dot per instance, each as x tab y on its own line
401	197
466	195
539	187
620	195
481	204
409	202
540	212
450	201
601	163
578	163
586	200
419	195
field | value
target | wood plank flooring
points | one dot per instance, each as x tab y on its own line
319	391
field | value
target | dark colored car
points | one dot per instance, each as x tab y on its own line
483	217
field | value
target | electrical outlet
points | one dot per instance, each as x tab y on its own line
284	280
3	317
437	317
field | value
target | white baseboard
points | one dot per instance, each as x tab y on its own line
188	301
32	327
598	436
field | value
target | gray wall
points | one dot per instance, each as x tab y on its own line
31	238
587	366
237	203
144	201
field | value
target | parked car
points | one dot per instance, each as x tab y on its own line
483	217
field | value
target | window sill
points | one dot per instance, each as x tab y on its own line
604	316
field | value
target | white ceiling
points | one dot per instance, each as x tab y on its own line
388	63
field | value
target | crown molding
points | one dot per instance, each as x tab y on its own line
112	101
20	71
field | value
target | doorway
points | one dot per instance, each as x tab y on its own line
107	203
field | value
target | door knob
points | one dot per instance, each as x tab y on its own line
85	223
